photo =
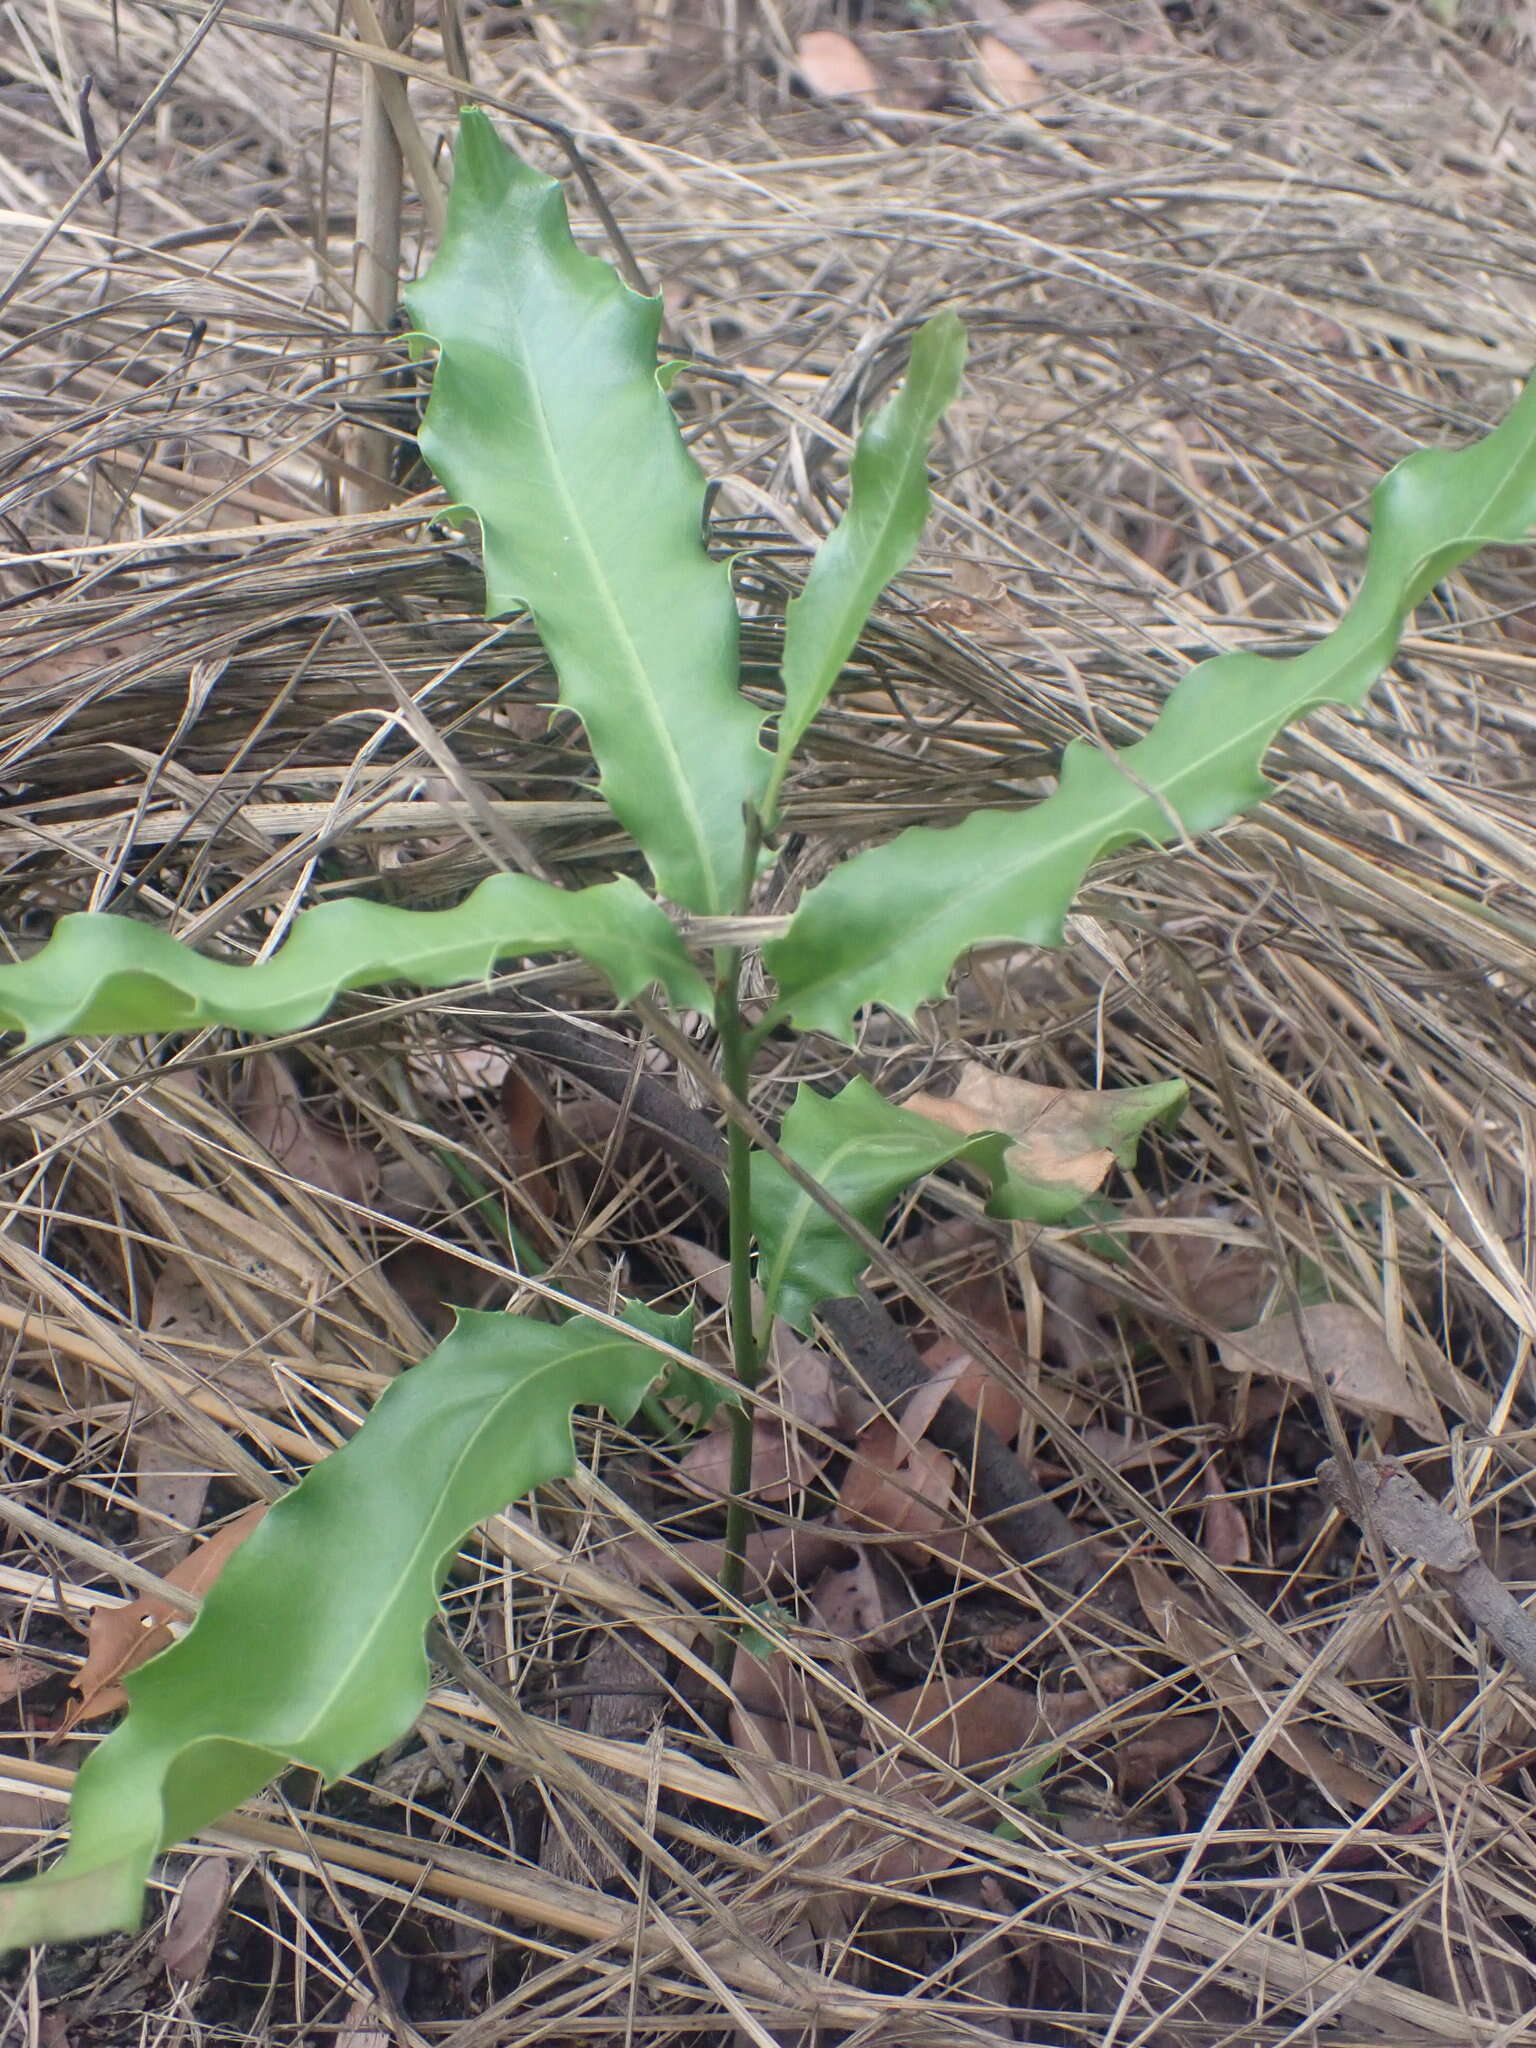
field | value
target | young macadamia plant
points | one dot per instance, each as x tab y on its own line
549	424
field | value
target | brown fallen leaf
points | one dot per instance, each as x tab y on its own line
459	1072
195	1919
522	1110
1218	1269
783	1462
1224	1533
122	1638
25	1816
1010	79
969	1724
1064	36
865	1603
362	2027
19	1674
272	1108
1241	1691
778	1726
834	67
171	1473
972	1722
1068	1137
899	1485
1351	1353
963	1374
775	1558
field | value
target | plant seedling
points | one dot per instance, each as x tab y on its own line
548	424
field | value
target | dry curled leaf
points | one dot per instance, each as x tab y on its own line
778	1727
1352	1355
972	1722
122	1638
1223	1532
834	67
1068	1137
1217	1268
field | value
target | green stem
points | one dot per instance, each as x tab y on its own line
736	1049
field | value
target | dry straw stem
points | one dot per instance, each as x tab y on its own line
1213	289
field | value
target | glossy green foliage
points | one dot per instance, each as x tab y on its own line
309	1647
888	926
863	1151
100	973
547	421
876	536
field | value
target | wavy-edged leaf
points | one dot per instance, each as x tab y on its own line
888	925
309	1647
863	1151
547	421
100	973
875	538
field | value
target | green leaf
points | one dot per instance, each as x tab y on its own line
874	540
100	973
547	421
888	925
863	1151
686	1391
308	1650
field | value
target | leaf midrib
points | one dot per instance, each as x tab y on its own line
613	610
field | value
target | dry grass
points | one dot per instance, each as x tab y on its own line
1214	286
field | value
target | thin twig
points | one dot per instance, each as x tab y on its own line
1411	1522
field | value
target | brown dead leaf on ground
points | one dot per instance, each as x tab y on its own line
778	1726
522	1110
1067	38
900	1485
833	66
1008	76
196	1918
20	1674
25	1814
972	1722
961	1373
1068	1137
363	2026
171	1477
1352	1355
1240	1691
1218	1269
968	1724
272	1108
783	1462
775	1558
122	1638
865	1603
1224	1533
